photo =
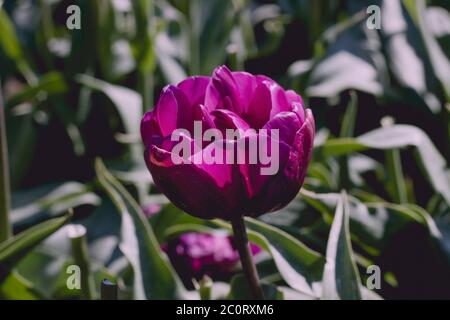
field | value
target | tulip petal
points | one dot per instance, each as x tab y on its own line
301	150
296	103
187	186
222	170
278	191
280	102
287	123
226	119
253	178
200	113
258	110
149	128
203	190
224	90
173	111
268	99
194	89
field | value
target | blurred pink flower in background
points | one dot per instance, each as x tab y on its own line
151	209
197	254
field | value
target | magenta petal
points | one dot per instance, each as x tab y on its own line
277	191
201	190
166	111
253	179
286	185
149	128
279	100
246	86
200	113
258	110
225	175
287	124
194	89
301	150
268	99
173	111
226	119
223	91
296	103
188	187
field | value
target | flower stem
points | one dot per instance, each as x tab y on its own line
243	247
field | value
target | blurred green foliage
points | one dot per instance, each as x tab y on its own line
381	99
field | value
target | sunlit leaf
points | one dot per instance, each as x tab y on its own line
31	206
153	276
12	250
394	137
340	277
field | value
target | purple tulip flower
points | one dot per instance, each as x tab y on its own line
195	255
228	100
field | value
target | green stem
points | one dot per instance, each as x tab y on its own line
194	37
5	195
248	265
233	58
205	288
347	131
395	172
77	235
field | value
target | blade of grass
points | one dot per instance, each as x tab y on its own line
396	182
347	131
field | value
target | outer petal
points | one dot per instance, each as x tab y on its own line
284	187
258	110
296	103
201	114
268	99
287	123
194	88
226	119
253	179
301	150
229	90
149	128
202	190
173	111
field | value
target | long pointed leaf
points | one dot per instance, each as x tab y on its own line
340	279
153	276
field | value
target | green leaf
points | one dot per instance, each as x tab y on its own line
394	137
348	122
22	137
213	20
403	45
12	250
352	61
49	84
239	290
153	275
374	223
340	278
438	59
128	102
299	266
45	201
16	287
10	44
